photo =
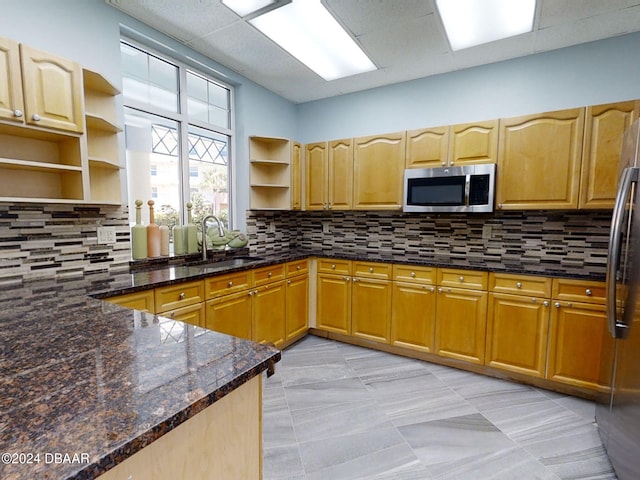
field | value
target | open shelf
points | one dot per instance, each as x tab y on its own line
104	183
270	176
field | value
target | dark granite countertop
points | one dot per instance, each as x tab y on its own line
98	382
82	376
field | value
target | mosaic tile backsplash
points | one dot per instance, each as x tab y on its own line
59	240
572	239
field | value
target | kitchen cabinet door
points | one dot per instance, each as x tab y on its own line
296	176
230	314
371	309
297	318
539	160
340	177
334	303
269	312
579	342
461	321
472	143
378	172
427	147
517	334
604	128
193	314
52	88
413	315
11	100
317	176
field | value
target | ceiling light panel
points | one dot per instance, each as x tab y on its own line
307	30
474	22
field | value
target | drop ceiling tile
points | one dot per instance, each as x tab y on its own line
555	12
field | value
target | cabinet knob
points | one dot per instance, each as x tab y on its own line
355	280
461	278
330	206
545	303
333	267
230	283
499	205
413	274
557	304
251	293
588	292
181	296
35	117
440	290
325	206
269	274
172	314
346	279
518	284
370	269
432	289
17	113
444	163
288	282
298	267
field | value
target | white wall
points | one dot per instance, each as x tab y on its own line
88	31
588	74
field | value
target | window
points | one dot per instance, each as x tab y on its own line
178	136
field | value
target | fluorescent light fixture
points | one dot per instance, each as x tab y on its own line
245	7
474	22
307	30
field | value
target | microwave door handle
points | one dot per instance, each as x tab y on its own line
629	176
467	188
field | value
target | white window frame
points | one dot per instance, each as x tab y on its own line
181	117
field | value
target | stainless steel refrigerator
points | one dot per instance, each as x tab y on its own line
619	418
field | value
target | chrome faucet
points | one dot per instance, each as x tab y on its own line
204	232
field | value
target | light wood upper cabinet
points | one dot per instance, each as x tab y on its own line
427	147
604	128
539	160
378	169
472	143
53	96
317	176
11	103
296	176
340	188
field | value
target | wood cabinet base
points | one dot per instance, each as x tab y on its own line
224	441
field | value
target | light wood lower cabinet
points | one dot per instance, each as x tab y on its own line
297	317
230	314
143	301
268	314
413	315
517	334
334	303
193	314
370	307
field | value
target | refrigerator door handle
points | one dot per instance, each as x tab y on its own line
629	176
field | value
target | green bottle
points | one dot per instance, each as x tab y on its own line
191	232
139	235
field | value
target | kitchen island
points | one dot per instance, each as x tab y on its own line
87	385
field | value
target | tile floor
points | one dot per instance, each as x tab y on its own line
335	411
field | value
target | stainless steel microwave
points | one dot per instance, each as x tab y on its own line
467	188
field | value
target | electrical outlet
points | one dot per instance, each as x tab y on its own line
486	232
106	235
325	227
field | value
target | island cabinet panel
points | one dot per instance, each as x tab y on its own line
231	314
461	321
268	314
143	301
223	441
378	171
604	129
539	160
517	334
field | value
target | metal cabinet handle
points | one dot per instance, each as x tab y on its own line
432	289
181	296
298	267
230	283
588	292
440	290
346	279
499	205
269	274
557	305
35	117
370	269
288	282
545	303
17	113
251	293
461	278
413	274
518	284
333	267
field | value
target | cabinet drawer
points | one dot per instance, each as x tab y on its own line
143	301
530	286
228	283
297	267
408	273
470	279
380	271
269	274
193	314
339	267
178	296
579	290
